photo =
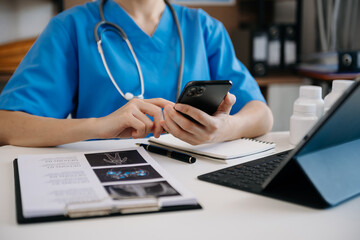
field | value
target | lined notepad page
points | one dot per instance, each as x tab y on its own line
225	150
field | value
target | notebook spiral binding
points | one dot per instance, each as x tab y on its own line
258	141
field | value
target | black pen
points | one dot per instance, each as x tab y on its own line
166	152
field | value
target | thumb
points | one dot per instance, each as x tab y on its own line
226	104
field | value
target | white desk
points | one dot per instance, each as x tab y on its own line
227	213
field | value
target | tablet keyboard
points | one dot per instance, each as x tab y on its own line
246	176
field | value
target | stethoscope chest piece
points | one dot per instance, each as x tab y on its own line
128	96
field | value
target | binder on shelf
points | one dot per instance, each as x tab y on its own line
274	46
54	187
259	53
289	55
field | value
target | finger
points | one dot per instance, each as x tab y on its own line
138	127
172	127
160	102
165	127
153	111
201	117
148	123
227	103
204	131
183	122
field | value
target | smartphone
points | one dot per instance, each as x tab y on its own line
205	95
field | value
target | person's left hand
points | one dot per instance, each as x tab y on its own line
208	128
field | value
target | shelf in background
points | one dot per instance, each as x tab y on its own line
284	77
328	76
279	78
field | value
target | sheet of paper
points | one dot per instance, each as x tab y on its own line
50	182
54	184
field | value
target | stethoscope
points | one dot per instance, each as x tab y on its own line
128	96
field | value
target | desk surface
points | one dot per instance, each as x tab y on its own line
227	213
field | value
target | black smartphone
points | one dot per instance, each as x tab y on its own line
205	95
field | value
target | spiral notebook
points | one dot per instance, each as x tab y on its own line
221	151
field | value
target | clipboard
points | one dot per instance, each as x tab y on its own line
92	213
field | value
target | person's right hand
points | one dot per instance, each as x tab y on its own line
131	120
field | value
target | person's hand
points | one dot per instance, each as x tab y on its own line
131	120
208	129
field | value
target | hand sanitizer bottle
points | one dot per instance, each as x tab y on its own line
311	94
302	120
338	87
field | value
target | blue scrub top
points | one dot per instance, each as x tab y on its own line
63	72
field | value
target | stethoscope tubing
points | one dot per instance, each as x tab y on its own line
128	96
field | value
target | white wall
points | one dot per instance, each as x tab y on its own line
20	19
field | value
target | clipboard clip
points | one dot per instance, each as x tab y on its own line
109	206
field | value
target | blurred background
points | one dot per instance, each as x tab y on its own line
284	43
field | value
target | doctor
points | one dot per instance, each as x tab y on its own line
129	89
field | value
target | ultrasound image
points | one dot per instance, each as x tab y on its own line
152	189
126	173
114	158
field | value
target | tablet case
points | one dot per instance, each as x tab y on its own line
322	179
21	219
324	169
